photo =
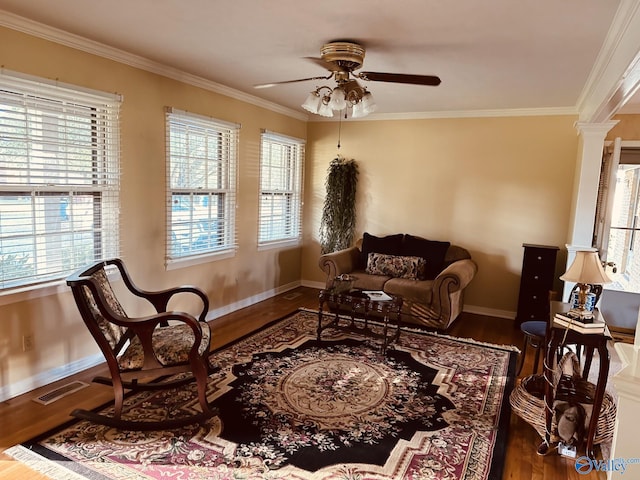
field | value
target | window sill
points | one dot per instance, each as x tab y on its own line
45	289
175	263
21	294
279	244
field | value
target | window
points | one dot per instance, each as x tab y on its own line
281	165
619	215
59	179
201	190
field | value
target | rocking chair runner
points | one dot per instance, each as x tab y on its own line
138	351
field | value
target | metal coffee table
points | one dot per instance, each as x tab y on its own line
357	305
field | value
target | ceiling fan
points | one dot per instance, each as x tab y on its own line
342	59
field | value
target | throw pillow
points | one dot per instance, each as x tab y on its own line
391	245
431	250
395	266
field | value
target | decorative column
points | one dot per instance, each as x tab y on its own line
585	186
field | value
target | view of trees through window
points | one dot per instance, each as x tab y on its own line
58	181
201	158
624	233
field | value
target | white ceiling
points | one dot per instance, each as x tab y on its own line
491	55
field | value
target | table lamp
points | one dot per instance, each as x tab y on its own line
585	270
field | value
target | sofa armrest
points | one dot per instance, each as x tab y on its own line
456	276
448	286
337	263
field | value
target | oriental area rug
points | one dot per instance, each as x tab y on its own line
433	407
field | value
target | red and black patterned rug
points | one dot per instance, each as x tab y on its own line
434	407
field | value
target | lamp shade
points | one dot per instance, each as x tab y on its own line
338	101
325	110
358	111
368	103
312	103
586	268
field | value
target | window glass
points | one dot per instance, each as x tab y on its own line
59	179
281	167
201	157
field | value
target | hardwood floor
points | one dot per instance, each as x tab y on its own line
22	419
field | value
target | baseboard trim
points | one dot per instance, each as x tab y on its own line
489	312
49	376
318	285
247	302
59	373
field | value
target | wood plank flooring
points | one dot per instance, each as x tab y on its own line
22	419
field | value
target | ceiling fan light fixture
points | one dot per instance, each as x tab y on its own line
368	103
358	111
338	101
342	59
312	103
325	110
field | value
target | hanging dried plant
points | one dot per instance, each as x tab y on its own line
338	223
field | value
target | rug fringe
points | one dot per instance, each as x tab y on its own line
42	465
471	341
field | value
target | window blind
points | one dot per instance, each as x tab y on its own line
281	175
201	185
59	178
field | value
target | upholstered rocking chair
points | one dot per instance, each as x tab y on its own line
143	353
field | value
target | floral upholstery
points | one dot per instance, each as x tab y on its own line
113	333
396	266
147	352
171	345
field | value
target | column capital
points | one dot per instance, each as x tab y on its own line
590	129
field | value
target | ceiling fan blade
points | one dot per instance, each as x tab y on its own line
331	66
267	85
400	78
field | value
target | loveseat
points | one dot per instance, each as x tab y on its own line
430	275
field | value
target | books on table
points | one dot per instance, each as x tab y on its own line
378	295
587	325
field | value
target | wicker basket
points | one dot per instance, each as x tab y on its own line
527	401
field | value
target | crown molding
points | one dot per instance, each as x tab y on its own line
46	32
513	112
36	29
615	75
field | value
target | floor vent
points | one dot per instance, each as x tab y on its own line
291	296
60	392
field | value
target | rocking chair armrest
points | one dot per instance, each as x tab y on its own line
160	299
158	319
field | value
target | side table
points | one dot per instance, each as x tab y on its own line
556	335
358	305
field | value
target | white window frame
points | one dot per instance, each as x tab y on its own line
59	179
281	177
614	162
201	163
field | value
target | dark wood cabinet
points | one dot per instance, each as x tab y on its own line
538	272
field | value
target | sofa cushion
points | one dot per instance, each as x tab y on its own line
391	245
364	281
396	266
420	290
431	250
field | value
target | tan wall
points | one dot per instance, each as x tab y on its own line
59	336
627	128
487	184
